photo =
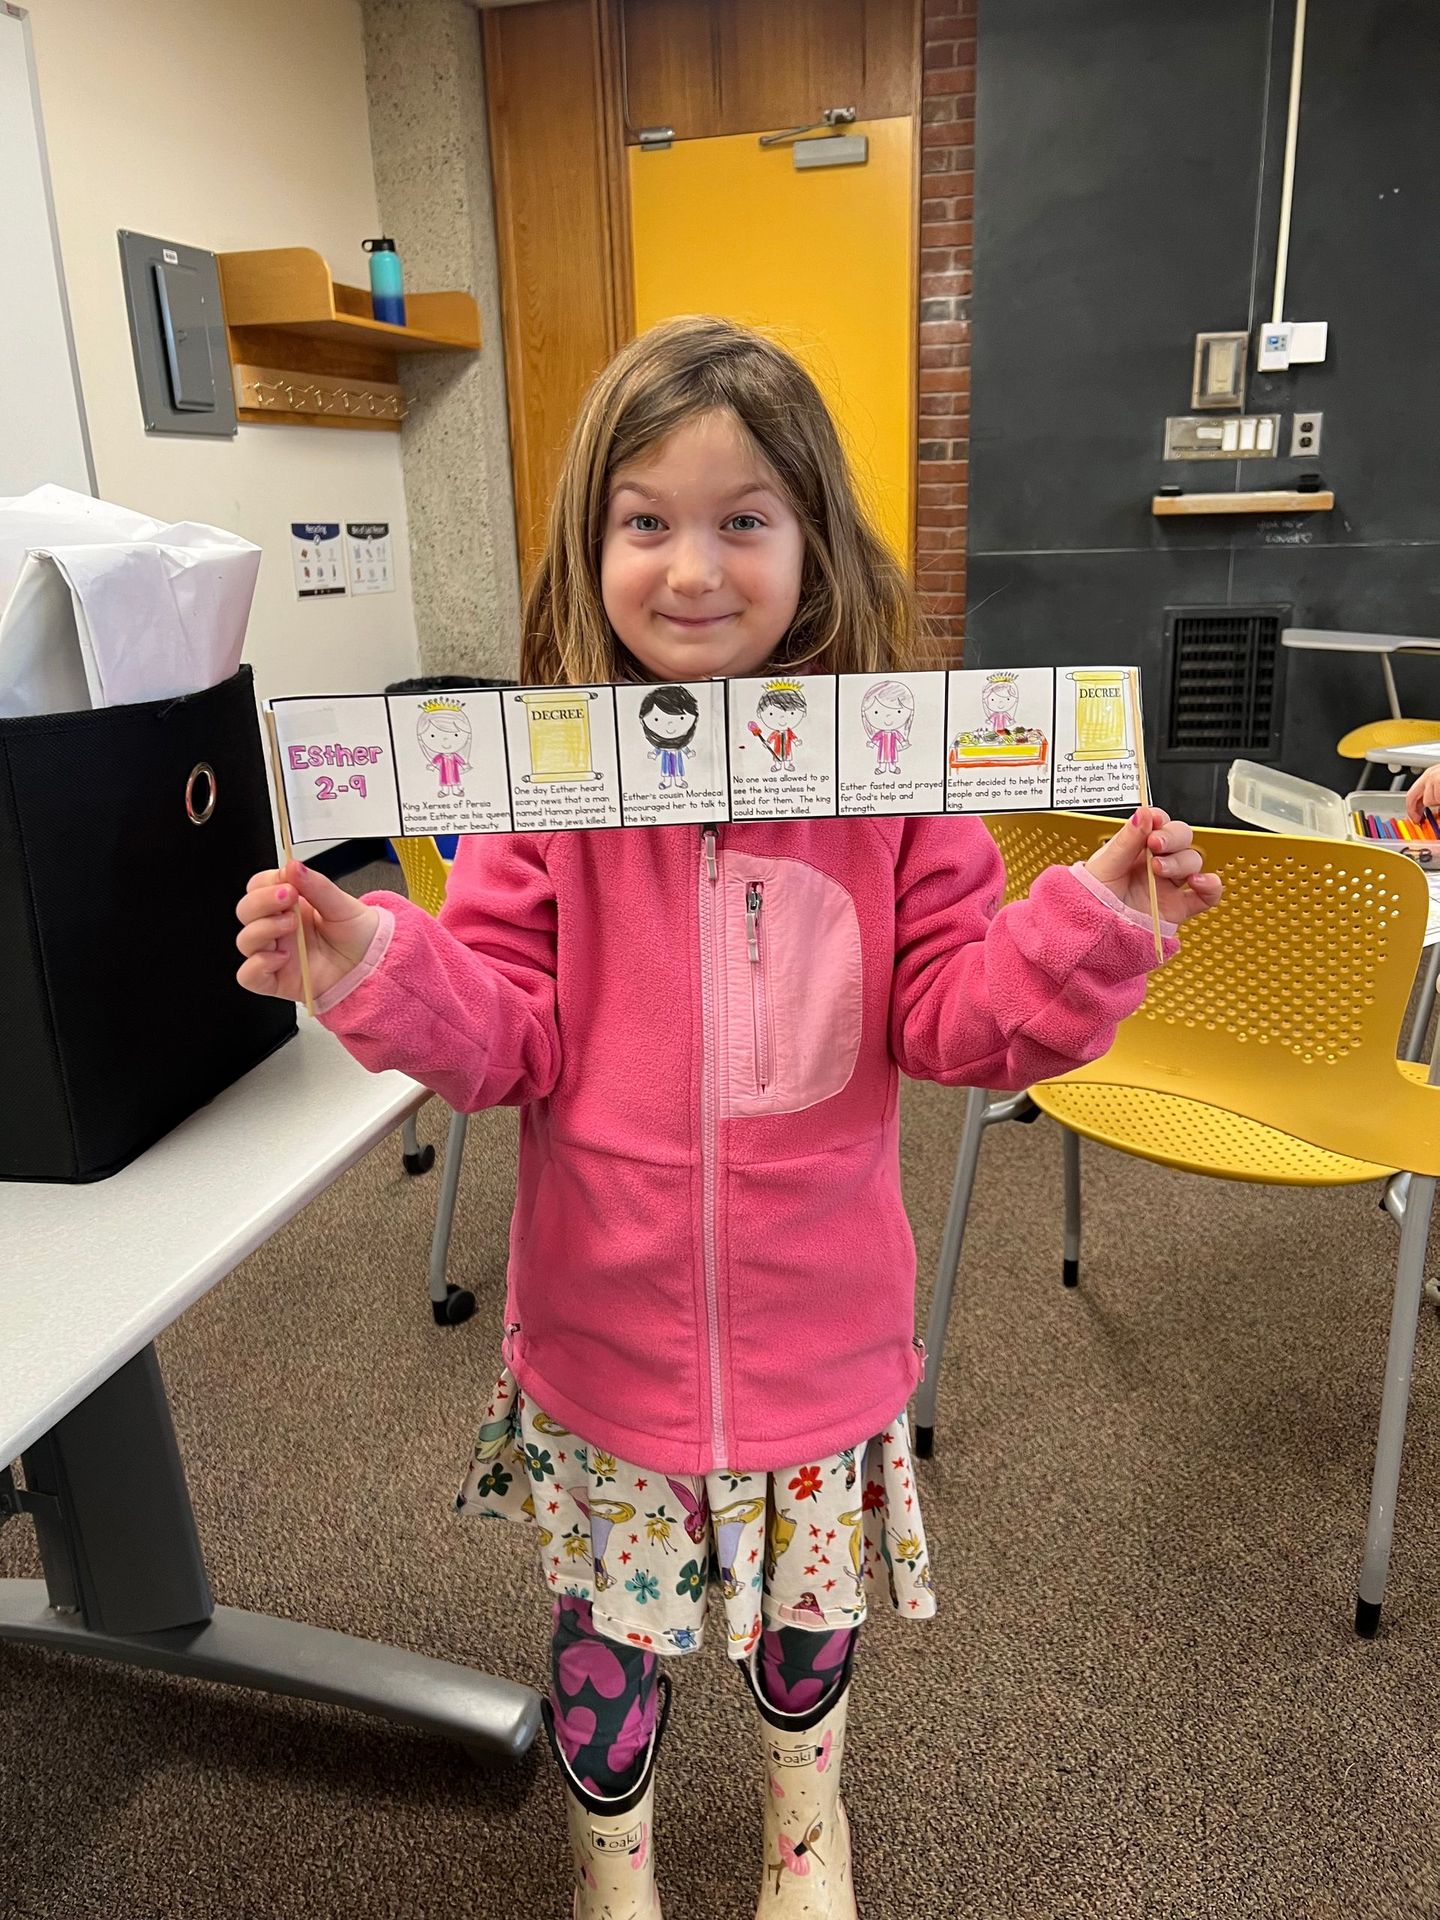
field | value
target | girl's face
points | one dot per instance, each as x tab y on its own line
701	558
439	735
886	715
670	726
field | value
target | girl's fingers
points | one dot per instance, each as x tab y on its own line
1203	891
263	934
1179	866
262	902
1176	836
260	974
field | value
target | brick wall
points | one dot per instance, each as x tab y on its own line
947	163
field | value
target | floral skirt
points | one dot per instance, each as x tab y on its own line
799	1547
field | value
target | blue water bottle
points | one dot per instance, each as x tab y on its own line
387	285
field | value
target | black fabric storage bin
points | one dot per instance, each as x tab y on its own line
119	1009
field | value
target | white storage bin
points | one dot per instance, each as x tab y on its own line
1389	806
1266	797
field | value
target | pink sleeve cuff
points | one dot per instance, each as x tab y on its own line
1102	893
379	946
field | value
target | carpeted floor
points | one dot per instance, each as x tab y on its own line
1142	1696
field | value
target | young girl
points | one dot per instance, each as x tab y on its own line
710	1312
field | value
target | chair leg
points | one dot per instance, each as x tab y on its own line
1071	1266
1404	1314
966	1161
1415	1048
448	1304
1367	769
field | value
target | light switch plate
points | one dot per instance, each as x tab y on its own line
1250	436
1218	379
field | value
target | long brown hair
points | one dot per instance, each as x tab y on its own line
857	610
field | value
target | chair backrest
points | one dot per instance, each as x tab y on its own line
426	873
1285	1002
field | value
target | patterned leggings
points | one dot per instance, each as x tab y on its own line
603	1692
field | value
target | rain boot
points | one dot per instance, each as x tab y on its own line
611	1836
807	1837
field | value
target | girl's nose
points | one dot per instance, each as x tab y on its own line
694	567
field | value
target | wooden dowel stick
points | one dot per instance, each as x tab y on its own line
1144	779
282	813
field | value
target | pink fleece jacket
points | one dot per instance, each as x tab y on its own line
710	1263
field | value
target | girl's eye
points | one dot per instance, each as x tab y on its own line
655	521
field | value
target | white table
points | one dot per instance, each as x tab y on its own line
1381	645
91	1275
1420	754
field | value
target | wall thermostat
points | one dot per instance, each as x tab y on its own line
1274	351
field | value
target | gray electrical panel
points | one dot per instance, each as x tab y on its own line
177	331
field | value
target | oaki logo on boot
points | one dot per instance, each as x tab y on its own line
617	1842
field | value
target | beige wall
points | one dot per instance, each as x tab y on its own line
432	175
226	124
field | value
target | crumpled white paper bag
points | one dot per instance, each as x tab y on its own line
107	607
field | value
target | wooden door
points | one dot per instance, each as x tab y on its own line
823	259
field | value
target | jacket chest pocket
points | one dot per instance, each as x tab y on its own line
792	1004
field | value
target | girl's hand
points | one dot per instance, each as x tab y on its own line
1182	886
1424	793
339	929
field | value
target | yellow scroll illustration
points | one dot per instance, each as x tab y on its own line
558	731
1100	716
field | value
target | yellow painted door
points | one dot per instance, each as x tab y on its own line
822	260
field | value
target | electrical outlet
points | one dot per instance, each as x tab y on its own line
1305	435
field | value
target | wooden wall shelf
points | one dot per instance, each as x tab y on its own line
1263	500
283	309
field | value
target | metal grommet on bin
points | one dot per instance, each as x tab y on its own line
201	771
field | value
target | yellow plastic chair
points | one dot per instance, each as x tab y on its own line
1384	733
427	874
1265	1051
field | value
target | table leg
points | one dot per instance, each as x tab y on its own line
125	1580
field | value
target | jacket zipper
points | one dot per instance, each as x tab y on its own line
759	997
709	1124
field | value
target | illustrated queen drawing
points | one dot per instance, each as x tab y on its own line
443	731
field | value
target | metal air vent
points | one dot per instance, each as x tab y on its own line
1223	682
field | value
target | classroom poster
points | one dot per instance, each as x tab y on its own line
319	563
368	557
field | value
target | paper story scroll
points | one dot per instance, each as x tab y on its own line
541	759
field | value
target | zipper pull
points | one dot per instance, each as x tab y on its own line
754	900
708	838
